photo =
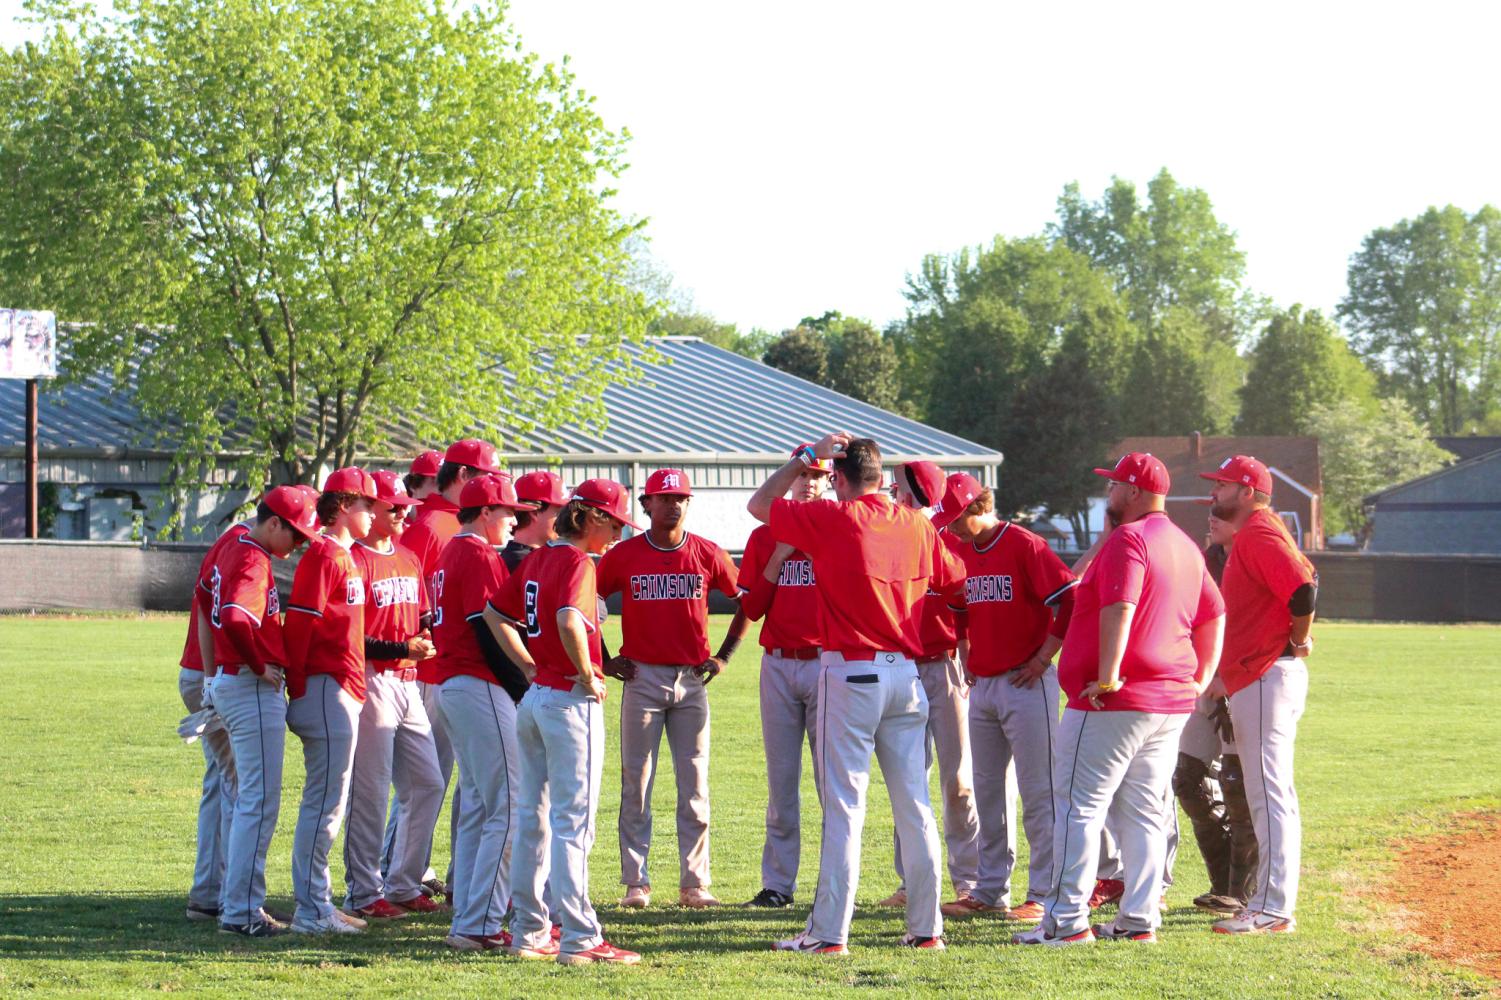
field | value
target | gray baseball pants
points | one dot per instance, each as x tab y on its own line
673	699
216	805
789	711
255	714
394	748
482	725
1265	716
863	708
326	718
562	740
434	712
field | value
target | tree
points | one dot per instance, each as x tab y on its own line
863	365
801	352
1299	362
300	221
1361	455
1424	310
711	330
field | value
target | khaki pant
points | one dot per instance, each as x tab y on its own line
948	731
671	699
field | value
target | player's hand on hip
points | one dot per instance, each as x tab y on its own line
622	668
1028	673
1094	692
1303	650
832	445
1215	688
274	675
593	685
421	647
709	669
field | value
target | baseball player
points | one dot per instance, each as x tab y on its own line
435	522
244	612
560	727
1270	594
394	745
875	562
421	478
478	690
325	643
217	803
1142	643
777	584
1018	599
544	493
664	576
920	485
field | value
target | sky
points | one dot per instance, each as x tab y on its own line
792	158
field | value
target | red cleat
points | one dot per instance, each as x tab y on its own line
418	904
600	953
380	910
1106	891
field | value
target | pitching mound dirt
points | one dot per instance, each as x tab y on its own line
1448	883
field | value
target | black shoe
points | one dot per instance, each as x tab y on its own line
202	912
771	899
436	887
254	929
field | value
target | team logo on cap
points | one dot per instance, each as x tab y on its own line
672	481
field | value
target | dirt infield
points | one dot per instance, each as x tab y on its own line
1447	884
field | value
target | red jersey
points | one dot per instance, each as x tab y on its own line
192	657
437	522
553	577
326	620
790	606
875	563
938	628
469	574
1014	581
395	598
238	582
664	611
1150	563
1264	570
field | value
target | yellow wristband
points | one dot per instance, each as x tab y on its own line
1114	685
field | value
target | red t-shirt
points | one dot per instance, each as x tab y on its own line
1150	563
469	574
436	524
790	606
1013	583
326	620
664	610
238	582
395	598
555	576
192	658
875	562
1264	570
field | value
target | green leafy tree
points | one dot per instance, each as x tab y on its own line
802	352
707	328
1299	362
299	221
1424	309
863	365
1361	455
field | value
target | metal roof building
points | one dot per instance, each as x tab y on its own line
725	419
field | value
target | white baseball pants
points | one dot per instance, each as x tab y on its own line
434	712
216	804
1265	717
255	714
789	711
326	718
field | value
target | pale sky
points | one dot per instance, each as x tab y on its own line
798	157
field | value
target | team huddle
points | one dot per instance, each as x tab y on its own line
449	623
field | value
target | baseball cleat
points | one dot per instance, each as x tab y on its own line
771	899
696	898
922	943
436	887
1112	932
1029	912
418	904
541	952
202	912
968	906
600	953
276	917
254	929
1224	906
324	925
1106	891
479	942
1247	922
557	932
898	898
1039	936
357	923
378	910
637	897
809	946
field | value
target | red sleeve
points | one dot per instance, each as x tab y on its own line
1063	613
756	600
1121	568
480	582
799	523
1271	559
722	572
577	591
1047	577
311	586
1211	604
240	631
948	569
607	574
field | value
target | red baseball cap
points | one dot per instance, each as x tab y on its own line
823	465
925	480
475	453
490	491
426	464
673	482
1242	469
392	491
542	487
294	506
606	495
959	491
311	492
1140	469
352	480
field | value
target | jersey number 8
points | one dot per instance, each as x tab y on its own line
533	627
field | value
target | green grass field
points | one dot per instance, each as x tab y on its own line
98	799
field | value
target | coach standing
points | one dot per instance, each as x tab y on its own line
875	562
1142	644
1270	592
